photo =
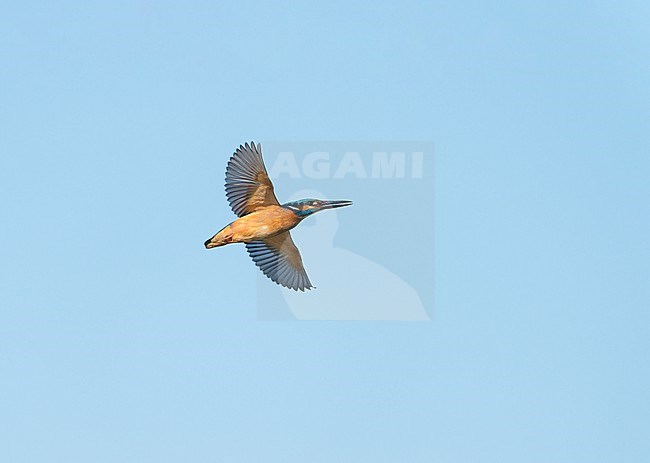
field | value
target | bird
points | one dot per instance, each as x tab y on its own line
263	224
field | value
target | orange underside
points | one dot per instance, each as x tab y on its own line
257	225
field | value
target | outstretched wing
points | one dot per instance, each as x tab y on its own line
248	186
279	259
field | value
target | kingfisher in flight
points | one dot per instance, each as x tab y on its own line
263	224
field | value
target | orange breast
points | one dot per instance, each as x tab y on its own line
261	224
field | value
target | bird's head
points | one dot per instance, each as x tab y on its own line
305	207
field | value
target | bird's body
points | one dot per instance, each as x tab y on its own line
258	225
263	224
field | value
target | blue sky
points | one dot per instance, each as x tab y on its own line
122	339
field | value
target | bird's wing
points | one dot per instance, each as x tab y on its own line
279	259
248	186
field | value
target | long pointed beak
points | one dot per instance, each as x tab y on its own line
335	204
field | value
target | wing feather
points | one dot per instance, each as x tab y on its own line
248	186
279	259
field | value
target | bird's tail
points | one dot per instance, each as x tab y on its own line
223	237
